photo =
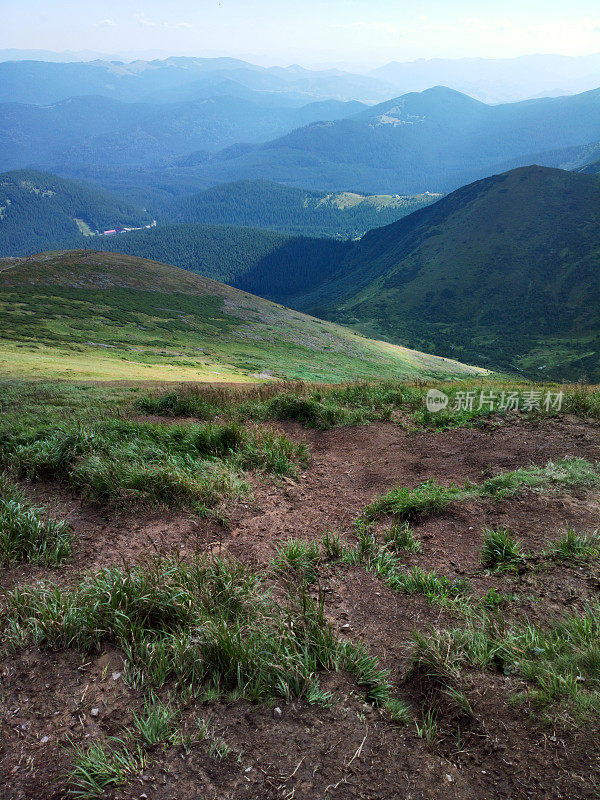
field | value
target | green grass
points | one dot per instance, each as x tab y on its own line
191	466
26	532
102	766
299	558
430	498
500	549
157	723
559	661
575	545
208	623
99	316
401	537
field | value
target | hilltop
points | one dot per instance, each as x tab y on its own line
503	271
80	314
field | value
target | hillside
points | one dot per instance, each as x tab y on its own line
436	140
93	131
259	261
38	208
265	204
94	315
503	272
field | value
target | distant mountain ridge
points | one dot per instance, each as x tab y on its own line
177	78
92	132
497	80
436	140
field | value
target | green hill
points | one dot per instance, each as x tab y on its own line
93	315
38	208
260	261
264	204
503	272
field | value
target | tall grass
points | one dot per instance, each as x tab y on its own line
326	406
177	465
431	498
205	623
26	532
560	661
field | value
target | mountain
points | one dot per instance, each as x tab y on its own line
497	80
265	204
38	208
504	271
177	78
91	132
110	316
435	140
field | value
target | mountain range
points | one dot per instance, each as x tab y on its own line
179	79
31	77
436	140
502	272
99	132
497	80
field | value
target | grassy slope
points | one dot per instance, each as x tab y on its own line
108	316
503	271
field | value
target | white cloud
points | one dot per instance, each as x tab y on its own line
106	23
143	20
150	23
377	27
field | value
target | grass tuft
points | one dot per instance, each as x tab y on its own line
500	549
26	534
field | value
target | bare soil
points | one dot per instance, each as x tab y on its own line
349	750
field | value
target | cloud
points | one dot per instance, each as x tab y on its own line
146	22
379	27
143	20
106	23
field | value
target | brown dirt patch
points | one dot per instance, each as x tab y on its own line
348	750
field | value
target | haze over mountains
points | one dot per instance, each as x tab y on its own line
30	77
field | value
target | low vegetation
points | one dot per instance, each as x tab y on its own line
27	534
430	498
206	623
193	466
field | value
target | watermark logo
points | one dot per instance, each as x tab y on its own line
526	400
436	400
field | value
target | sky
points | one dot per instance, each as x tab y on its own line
361	33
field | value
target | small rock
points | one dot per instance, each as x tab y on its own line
346	627
116	676
94	712
44	739
277	713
